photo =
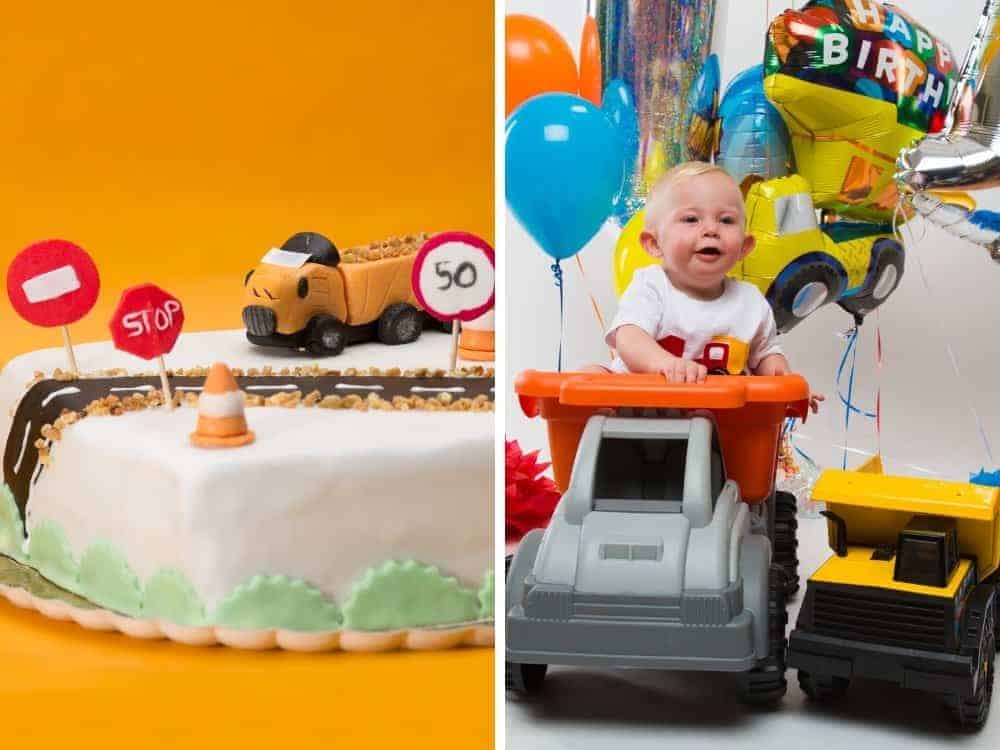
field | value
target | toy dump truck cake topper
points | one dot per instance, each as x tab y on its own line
308	295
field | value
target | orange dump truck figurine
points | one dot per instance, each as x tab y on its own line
308	295
669	548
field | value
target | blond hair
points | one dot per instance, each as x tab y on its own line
671	177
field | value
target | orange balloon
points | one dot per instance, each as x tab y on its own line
590	62
538	61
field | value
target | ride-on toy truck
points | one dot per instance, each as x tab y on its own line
909	595
659	553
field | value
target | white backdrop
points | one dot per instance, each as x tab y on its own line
928	425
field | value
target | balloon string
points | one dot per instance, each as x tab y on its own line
593	299
878	383
850	351
963	384
558	276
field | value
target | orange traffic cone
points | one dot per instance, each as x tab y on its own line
222	422
476	342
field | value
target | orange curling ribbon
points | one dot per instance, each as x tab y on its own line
593	299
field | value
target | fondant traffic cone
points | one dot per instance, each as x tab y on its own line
222	421
476	342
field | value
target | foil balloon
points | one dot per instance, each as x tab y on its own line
967	155
855	82
537	60
620	109
702	109
754	143
657	48
564	170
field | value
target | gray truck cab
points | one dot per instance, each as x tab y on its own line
651	559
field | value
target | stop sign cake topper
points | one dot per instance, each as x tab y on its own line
453	276
53	283
146	323
453	279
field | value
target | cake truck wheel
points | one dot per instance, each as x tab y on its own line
525	679
765	684
327	336
400	324
786	543
822	687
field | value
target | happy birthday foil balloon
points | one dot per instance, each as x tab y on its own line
657	48
966	156
855	81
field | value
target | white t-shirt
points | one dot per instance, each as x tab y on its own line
733	332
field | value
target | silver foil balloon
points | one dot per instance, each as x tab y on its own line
966	155
979	227
658	48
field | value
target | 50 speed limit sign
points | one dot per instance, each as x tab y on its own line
454	276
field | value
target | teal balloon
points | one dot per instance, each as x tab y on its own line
565	168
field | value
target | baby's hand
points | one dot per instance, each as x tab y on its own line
677	370
814	399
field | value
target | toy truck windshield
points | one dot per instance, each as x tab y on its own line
284	258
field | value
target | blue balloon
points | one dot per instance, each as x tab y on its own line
619	106
565	168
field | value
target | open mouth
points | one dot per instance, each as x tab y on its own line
709	252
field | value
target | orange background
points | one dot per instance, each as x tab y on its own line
177	143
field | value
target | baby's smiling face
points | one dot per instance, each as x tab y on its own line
696	226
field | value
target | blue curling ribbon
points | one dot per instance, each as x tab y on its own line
558	276
986	478
851	350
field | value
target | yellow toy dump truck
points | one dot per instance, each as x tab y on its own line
910	593
308	295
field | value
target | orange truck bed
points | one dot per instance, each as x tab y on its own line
749	412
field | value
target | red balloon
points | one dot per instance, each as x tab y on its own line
538	61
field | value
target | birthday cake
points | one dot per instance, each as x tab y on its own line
361	503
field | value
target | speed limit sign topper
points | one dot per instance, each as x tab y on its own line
53	283
147	321
454	276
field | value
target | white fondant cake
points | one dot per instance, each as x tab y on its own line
367	519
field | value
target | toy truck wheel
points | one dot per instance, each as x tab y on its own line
765	683
400	324
327	336
978	640
786	525
525	679
807	289
884	277
822	687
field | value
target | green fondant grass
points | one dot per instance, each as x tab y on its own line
278	602
50	552
106	579
399	595
11	528
486	597
170	596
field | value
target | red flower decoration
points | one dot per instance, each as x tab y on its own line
531	498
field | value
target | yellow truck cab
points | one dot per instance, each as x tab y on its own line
308	295
800	266
909	595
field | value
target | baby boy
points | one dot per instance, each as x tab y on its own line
685	317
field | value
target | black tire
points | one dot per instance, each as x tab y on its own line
327	336
878	286
524	679
765	684
784	295
822	687
400	324
979	642
786	543
507	560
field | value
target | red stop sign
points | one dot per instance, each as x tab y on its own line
53	283
147	321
